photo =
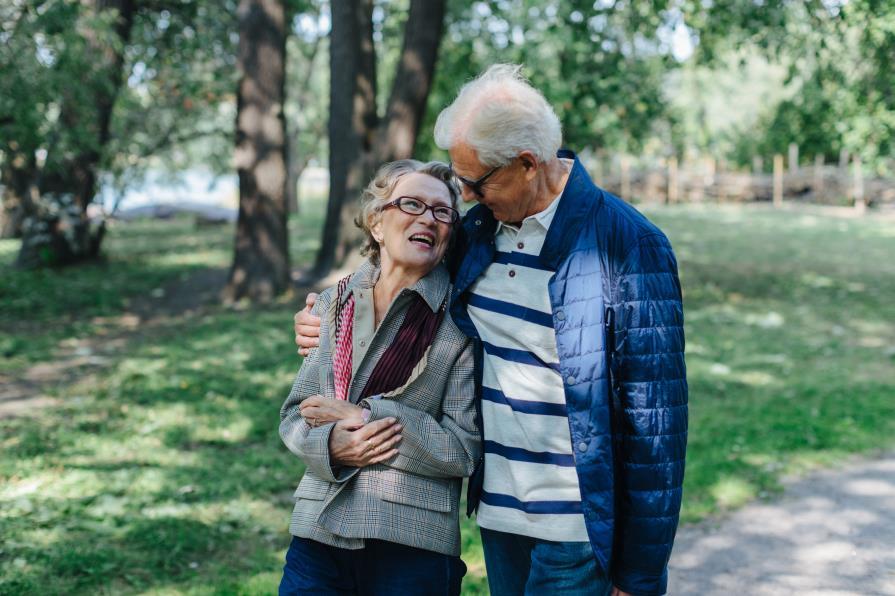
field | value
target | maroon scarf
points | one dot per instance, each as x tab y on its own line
401	357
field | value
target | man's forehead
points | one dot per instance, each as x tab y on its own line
464	158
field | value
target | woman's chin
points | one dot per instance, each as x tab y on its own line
422	261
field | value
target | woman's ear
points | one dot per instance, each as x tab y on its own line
376	229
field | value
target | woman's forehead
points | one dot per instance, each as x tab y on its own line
423	186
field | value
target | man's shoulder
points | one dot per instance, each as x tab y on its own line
623	225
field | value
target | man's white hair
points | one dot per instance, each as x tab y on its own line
499	115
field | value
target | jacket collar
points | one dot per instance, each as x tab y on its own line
578	198
432	287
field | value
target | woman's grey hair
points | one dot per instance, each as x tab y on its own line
379	192
499	115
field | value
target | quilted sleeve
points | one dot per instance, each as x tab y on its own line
650	411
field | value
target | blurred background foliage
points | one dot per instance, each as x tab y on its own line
728	78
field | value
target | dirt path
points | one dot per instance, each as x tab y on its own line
76	359
831	533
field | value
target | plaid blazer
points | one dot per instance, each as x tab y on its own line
413	498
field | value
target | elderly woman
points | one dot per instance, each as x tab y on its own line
382	413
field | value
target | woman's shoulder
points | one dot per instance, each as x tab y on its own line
360	278
325	299
449	330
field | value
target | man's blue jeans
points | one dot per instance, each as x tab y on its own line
379	569
519	565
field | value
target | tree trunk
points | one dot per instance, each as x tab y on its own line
11	217
78	174
352	126
413	81
72	170
261	261
17	177
357	150
293	172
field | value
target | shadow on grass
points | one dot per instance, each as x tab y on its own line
125	555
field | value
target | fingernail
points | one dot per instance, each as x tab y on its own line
392	420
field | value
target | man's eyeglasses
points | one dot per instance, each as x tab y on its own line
415	206
475	185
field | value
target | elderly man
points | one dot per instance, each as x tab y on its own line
573	299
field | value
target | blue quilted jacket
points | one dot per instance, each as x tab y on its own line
617	312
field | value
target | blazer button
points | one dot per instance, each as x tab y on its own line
582	446
560	316
520	245
512	273
570	380
478	222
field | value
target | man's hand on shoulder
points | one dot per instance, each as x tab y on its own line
307	326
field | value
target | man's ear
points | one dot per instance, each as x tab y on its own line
530	163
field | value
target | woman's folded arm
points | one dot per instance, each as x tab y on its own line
448	446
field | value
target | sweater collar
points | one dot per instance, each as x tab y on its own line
579	198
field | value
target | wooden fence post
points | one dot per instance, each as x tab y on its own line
626	178
598	169
778	180
757	164
793	158
818	175
672	196
858	189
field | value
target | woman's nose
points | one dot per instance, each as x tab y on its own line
428	217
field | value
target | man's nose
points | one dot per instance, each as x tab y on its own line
467	194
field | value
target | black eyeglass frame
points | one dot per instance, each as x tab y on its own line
455	215
475	185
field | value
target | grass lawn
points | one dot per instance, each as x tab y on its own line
163	473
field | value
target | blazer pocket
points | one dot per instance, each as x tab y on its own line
434	494
312	488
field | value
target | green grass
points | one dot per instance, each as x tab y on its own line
790	345
164	474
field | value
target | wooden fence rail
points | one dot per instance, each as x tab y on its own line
674	182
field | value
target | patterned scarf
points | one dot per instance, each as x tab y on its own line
397	363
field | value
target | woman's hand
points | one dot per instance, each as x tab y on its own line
359	446
318	410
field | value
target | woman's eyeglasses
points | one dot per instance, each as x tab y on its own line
414	206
